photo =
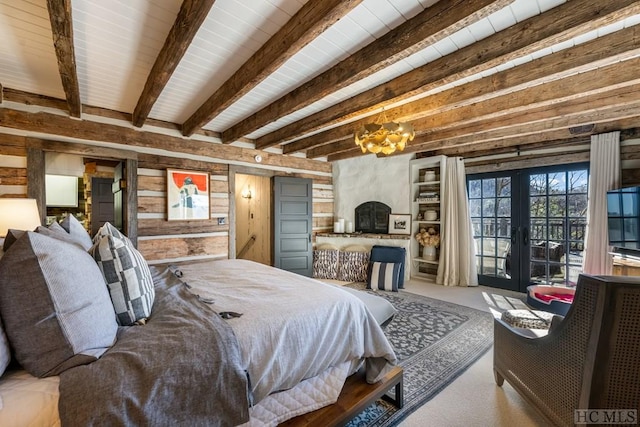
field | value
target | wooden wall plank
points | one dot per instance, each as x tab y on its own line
176	247
162	227
13	176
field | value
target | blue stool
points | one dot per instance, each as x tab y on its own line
390	254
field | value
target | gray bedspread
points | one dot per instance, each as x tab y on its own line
181	368
293	327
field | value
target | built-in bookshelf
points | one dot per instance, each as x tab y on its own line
426	196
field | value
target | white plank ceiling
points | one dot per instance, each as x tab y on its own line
117	41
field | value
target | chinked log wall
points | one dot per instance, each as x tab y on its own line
160	240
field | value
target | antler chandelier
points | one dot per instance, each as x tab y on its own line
384	137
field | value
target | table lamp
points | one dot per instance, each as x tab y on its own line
18	214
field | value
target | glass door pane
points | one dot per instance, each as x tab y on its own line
490	202
557	209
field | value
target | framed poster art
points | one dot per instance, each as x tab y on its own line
399	224
187	195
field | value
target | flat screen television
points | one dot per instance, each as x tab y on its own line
623	214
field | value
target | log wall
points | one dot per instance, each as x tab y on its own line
160	240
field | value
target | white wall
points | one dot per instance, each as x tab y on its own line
369	178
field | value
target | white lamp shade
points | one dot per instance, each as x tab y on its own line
18	214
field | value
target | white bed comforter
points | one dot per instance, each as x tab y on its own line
292	327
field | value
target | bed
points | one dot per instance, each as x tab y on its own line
289	353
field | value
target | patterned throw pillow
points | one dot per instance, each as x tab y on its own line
352	266
384	276
108	229
128	278
325	263
55	307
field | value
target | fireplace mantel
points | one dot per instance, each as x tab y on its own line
366	235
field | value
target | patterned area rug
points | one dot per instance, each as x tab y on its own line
435	342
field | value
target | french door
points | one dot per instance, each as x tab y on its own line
529	225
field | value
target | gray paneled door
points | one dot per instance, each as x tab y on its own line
293	224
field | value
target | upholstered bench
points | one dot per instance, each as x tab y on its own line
528	319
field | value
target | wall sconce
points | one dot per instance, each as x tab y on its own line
246	193
18	214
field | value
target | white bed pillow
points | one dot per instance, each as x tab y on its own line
75	229
54	304
127	276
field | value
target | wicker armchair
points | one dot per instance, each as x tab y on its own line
588	360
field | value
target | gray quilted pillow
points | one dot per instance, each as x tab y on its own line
128	278
54	303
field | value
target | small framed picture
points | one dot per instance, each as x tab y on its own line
399	224
187	195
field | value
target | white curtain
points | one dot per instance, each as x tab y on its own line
604	175
457	250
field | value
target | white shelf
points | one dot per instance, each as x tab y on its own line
421	183
428	222
426	261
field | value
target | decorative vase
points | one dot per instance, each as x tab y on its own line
429	253
429	176
431	215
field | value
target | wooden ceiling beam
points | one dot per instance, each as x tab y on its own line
573	140
190	17
485	145
559	117
542	100
332	148
99	132
590	110
512	126
609	49
554	26
307	24
546	96
62	31
426	28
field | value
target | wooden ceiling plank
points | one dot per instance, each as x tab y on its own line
429	26
599	52
554	26
190	17
61	20
99	132
307	24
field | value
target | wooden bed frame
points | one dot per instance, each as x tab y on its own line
355	397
